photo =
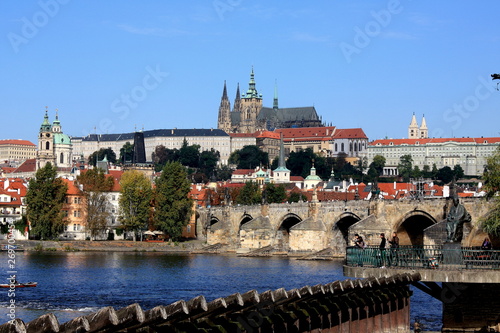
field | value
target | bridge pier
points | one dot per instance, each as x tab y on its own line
470	307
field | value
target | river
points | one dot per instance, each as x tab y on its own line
71	284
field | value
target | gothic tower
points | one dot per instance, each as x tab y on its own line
224	122
251	104
424	132
45	153
413	128
237	100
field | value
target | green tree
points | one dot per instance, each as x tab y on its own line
300	162
275	193
249	194
445	174
296	197
491	176
135	201
173	206
94	184
458	172
189	155
426	172
405	167
126	153
100	154
208	161
376	167
45	199
416	173
162	155
249	157
223	173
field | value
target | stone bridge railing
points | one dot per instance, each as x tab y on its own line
371	305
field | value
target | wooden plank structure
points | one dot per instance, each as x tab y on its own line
369	305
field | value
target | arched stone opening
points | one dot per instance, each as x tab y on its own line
213	220
340	232
282	238
246	218
411	229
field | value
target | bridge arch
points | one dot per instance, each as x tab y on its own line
282	239
340	231
244	219
411	227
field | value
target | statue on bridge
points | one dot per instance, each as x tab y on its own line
455	220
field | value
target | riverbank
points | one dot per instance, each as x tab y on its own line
118	246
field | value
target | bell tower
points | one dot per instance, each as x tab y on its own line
45	152
251	104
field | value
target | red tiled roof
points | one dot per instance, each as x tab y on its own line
8	169
350	133
242	135
28	166
72	188
268	134
17	142
243	171
307	132
397	142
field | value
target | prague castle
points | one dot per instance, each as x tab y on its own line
248	115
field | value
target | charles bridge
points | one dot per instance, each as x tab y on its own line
314	226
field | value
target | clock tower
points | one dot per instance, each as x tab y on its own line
45	152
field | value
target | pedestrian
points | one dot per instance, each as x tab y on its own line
394	241
486	244
359	246
381	248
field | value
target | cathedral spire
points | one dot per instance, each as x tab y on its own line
237	100
424	131
413	132
252	91
275	100
224	121
45	127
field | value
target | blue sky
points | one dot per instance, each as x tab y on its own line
113	66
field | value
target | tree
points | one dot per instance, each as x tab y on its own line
405	167
491	176
249	194
300	162
100	154
223	173
162	155
173	207
376	167
135	201
208	161
275	193
445	174
296	197
249	157
416	173
458	172
126	153
426	172
94	184
45	199
189	155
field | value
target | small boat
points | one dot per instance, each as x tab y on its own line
19	285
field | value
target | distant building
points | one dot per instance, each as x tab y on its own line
16	151
249	115
54	146
469	153
169	138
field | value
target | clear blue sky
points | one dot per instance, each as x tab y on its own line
368	64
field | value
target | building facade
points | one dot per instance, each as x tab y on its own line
249	115
54	146
16	151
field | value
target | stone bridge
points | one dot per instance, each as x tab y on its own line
313	226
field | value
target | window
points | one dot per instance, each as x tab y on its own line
61	160
47	145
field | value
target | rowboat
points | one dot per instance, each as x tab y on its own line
18	285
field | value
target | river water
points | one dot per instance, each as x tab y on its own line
72	284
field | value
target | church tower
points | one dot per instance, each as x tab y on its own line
251	104
413	130
45	153
237	100
424	132
224	122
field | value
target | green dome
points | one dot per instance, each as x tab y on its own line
60	138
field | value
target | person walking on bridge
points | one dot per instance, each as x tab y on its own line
394	241
381	248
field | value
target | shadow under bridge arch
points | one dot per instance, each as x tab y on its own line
282	239
411	227
340	232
